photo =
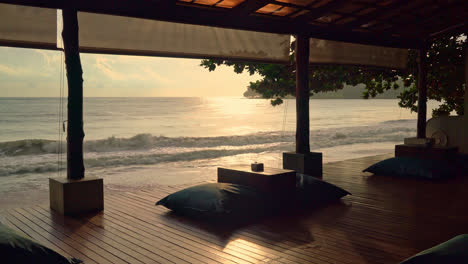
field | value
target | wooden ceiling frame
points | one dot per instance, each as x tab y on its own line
421	20
245	16
375	15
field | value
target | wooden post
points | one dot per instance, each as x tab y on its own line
466	87
302	94
422	92
75	133
464	147
303	161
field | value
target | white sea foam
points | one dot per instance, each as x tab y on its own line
37	156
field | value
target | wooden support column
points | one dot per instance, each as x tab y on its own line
464	148
303	161
302	94
75	133
466	86
422	92
75	194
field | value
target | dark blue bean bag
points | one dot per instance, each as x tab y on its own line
215	201
454	251
410	167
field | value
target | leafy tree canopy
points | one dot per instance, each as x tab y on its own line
445	79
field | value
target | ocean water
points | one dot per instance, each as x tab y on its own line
134	142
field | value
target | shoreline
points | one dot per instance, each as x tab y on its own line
34	190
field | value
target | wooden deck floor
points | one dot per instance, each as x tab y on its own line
384	221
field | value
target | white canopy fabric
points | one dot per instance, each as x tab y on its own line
124	35
334	52
37	28
28	26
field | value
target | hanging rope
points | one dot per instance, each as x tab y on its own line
61	126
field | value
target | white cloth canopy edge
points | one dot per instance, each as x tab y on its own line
24	26
335	52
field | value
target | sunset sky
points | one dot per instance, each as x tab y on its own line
36	73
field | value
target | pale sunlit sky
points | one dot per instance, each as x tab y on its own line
36	73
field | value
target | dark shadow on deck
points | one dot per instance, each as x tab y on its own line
279	227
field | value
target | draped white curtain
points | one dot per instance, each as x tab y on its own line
334	52
28	26
125	35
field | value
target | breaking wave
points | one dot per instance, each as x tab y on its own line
139	142
40	155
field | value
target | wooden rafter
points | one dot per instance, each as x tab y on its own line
458	28
441	11
397	5
448	11
320	11
249	6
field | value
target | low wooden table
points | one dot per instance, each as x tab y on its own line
269	180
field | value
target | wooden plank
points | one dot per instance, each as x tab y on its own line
168	255
78	233
247	7
256	250
155	229
286	246
46	238
384	221
70	239
253	251
213	241
107	237
282	249
320	11
70	235
130	242
395	5
5	221
183	237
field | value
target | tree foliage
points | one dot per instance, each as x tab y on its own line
445	79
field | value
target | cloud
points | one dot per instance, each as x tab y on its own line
28	72
104	65
151	75
50	57
8	70
44	55
122	68
113	70
113	75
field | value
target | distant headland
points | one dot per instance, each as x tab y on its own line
348	92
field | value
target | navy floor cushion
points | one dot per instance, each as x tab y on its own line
216	200
412	168
454	251
16	248
313	191
234	201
